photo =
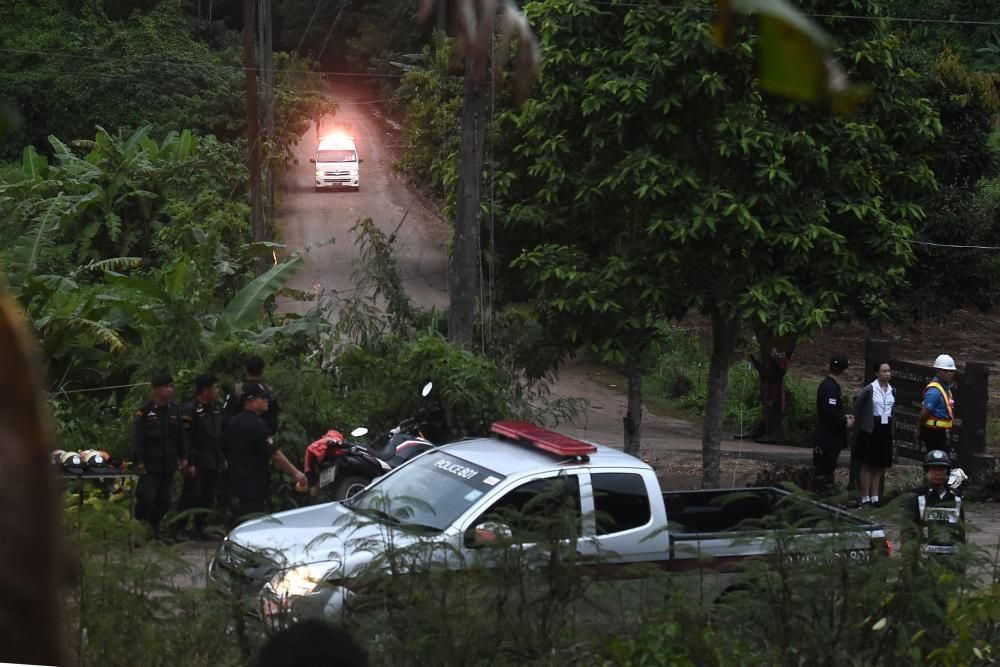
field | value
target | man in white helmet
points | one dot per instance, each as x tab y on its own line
937	414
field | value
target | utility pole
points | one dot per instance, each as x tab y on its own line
265	34
463	274
253	121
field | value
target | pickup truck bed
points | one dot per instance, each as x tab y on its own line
728	525
727	510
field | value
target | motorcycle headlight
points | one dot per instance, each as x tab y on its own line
298	580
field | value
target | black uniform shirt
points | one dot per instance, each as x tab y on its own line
235	403
831	423
249	445
157	441
202	424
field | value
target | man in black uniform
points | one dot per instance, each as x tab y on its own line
832	423
202	424
250	447
233	406
934	512
158	449
253	375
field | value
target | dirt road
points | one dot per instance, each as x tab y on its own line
309	217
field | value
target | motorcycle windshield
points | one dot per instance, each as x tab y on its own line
428	494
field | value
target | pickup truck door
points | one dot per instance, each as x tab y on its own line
536	510
623	523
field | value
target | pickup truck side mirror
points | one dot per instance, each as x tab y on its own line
488	534
313	160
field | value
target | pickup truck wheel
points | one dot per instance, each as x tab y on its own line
348	486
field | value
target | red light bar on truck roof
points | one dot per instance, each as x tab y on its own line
540	438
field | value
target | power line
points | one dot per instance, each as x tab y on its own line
953	245
847	17
188	64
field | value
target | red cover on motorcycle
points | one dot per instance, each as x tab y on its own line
316	451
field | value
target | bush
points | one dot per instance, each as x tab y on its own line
679	375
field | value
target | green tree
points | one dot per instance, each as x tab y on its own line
754	210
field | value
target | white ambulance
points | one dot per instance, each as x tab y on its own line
337	163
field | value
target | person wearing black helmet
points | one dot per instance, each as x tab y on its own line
832	423
250	447
934	512
158	449
201	419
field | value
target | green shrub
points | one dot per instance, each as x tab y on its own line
679	375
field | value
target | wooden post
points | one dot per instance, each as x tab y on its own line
463	274
253	121
972	407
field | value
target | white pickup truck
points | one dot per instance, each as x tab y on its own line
454	498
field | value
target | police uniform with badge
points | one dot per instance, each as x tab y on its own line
236	398
250	447
158	449
201	419
832	423
935	512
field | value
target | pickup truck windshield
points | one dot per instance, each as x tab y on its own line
430	493
337	156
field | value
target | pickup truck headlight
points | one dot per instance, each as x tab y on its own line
319	172
298	580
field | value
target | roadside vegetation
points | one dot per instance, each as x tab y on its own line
536	605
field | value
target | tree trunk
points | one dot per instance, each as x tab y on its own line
633	415
724	336
463	276
771	364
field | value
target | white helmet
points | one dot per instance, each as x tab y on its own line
944	363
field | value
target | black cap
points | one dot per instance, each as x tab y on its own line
162	379
204	381
839	362
256	390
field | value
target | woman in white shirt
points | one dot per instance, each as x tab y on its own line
873	410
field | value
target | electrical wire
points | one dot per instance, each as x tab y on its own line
846	17
188	64
953	245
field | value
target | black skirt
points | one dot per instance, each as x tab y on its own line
875	448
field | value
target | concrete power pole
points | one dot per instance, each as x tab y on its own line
463	274
253	120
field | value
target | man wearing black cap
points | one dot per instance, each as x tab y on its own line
832	423
201	419
250	446
254	374
158	449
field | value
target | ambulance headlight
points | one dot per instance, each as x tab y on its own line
298	580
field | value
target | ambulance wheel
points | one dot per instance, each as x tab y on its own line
349	486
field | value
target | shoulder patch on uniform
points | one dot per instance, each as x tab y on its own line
833	401
270	439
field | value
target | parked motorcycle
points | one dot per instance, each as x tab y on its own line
337	469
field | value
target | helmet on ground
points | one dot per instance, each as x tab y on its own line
937	457
944	363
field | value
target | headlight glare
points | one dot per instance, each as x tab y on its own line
297	581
